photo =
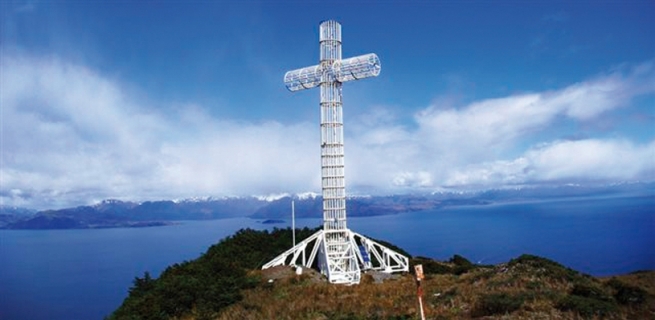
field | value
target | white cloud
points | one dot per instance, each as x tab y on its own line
71	135
413	179
451	140
589	160
496	122
593	160
242	158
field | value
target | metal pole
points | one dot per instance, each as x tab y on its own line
293	222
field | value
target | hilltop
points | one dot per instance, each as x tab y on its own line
527	287
226	283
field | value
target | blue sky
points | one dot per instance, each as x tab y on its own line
174	99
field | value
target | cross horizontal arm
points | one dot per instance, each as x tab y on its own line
305	78
354	68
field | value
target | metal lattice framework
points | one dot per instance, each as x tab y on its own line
341	252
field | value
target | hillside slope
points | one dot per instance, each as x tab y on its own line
226	283
528	287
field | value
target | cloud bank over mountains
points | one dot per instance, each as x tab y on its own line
73	135
469	146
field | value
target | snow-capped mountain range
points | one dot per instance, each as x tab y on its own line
116	213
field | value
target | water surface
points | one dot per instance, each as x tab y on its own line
85	274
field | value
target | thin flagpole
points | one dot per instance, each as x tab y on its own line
293	222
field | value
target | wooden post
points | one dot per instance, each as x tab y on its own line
418	269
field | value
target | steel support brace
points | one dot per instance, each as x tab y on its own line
371	256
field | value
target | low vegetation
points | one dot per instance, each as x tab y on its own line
205	286
226	283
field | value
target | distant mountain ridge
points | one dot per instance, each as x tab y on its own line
116	213
113	213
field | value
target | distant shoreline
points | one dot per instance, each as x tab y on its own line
119	214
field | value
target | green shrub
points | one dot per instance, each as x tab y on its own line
546	267
211	282
484	274
462	265
497	303
460	261
535	285
590	290
588	299
626	294
586	307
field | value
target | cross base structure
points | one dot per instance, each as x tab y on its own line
362	254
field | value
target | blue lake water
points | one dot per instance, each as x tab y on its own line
85	274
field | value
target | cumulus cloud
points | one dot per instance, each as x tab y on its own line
71	135
497	122
588	160
449	140
65	131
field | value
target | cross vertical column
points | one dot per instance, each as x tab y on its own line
332	153
339	250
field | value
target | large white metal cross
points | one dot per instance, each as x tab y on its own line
341	250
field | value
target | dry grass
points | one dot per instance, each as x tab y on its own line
446	296
299	297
